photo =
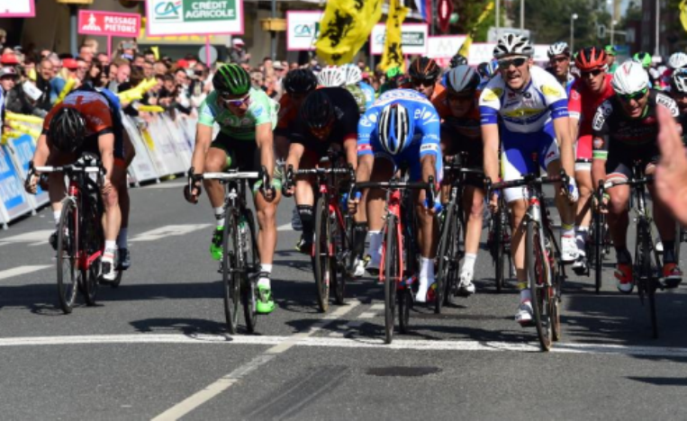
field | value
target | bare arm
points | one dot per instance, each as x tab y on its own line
428	167
562	128
574	128
490	140
295	154
106	148
40	157
351	149
265	140
203	141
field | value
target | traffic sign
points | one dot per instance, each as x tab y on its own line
96	22
444	10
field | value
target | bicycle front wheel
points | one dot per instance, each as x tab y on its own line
447	258
598	250
392	276
537	268
325	266
68	273
93	242
251	262
230	273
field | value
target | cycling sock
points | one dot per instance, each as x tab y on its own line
359	234
669	252
110	246
264	277
622	255
219	216
306	214
568	230
122	238
57	215
525	295
375	250
468	263
266	268
581	234
426	269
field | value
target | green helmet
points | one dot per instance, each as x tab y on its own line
231	79
610	50
643	58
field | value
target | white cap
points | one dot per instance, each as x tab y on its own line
238	41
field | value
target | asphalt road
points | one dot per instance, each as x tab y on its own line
156	347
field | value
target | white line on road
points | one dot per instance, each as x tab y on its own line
367	315
172	185
225	382
168	231
21	270
285	227
40	236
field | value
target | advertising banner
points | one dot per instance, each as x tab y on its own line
23	148
13	202
302	30
18	9
414	38
194	17
96	22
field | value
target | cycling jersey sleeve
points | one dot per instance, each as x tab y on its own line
431	135
490	102
669	103
600	131
207	113
366	128
575	102
555	98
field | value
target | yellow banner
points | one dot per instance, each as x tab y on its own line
465	48
393	53
683	14
345	27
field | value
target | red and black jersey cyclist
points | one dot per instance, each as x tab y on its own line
85	122
327	122
625	131
424	75
586	95
458	108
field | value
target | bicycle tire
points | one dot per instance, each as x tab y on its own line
67	246
650	277
341	244
231	281
391	276
405	302
248	285
444	258
94	241
554	289
499	255
536	266
598	246
323	258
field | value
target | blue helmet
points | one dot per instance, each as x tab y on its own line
396	128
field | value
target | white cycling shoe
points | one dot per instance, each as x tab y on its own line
358	269
423	288
466	287
569	249
524	313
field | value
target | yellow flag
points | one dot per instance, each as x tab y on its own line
683	14
465	48
345	27
393	54
156	51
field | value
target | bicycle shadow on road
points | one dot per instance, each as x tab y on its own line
40	299
186	326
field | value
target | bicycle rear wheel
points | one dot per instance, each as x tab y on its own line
554	286
650	277
251	262
598	250
93	241
325	266
392	276
68	273
536	273
339	234
499	221
445	258
231	280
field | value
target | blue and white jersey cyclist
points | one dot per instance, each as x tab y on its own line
526	108
402	127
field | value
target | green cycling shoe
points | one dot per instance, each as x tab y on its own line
265	303
216	244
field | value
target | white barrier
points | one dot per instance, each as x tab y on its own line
142	168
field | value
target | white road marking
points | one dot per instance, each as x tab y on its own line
225	382
35	237
377	307
173	185
281	343
368	315
285	227
21	270
167	231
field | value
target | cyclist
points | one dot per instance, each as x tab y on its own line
354	81
587	94
424	73
460	132
678	91
402	127
559	64
625	130
456	60
83	123
610	58
327	122
676	61
246	117
644	59
527	109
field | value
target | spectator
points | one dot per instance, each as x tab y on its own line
149	55
86	53
168	91
160	68
138	61
23	99
92	44
127	50
46	72
103	59
257	79
45	53
8	78
121	75
3	37
58	83
82	67
148	69
237	53
93	75
200	85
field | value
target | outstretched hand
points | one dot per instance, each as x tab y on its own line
671	173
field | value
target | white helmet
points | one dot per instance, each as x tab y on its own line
395	128
677	61
678	81
630	78
512	44
331	77
559	48
352	74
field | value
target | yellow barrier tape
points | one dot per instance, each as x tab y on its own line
32	119
7	136
24	129
151	108
67	88
148	139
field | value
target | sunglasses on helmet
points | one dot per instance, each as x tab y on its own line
517	62
634	96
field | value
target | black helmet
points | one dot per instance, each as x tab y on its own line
424	68
300	81
231	80
458	60
317	110
67	130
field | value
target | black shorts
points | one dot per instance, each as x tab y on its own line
473	152
621	158
243	153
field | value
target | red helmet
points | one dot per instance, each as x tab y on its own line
590	58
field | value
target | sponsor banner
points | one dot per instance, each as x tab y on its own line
13	201
541	53
414	38
18	9
481	52
96	22
194	17
23	148
302	30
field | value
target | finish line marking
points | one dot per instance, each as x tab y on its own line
281	343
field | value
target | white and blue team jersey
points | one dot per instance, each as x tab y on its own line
426	136
527	110
369	93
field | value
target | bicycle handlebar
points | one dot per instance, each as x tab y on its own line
528	180
290	175
428	187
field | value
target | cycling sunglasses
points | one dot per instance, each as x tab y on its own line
595	73
560	59
425	83
635	96
517	62
236	102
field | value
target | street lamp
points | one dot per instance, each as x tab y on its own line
573	18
